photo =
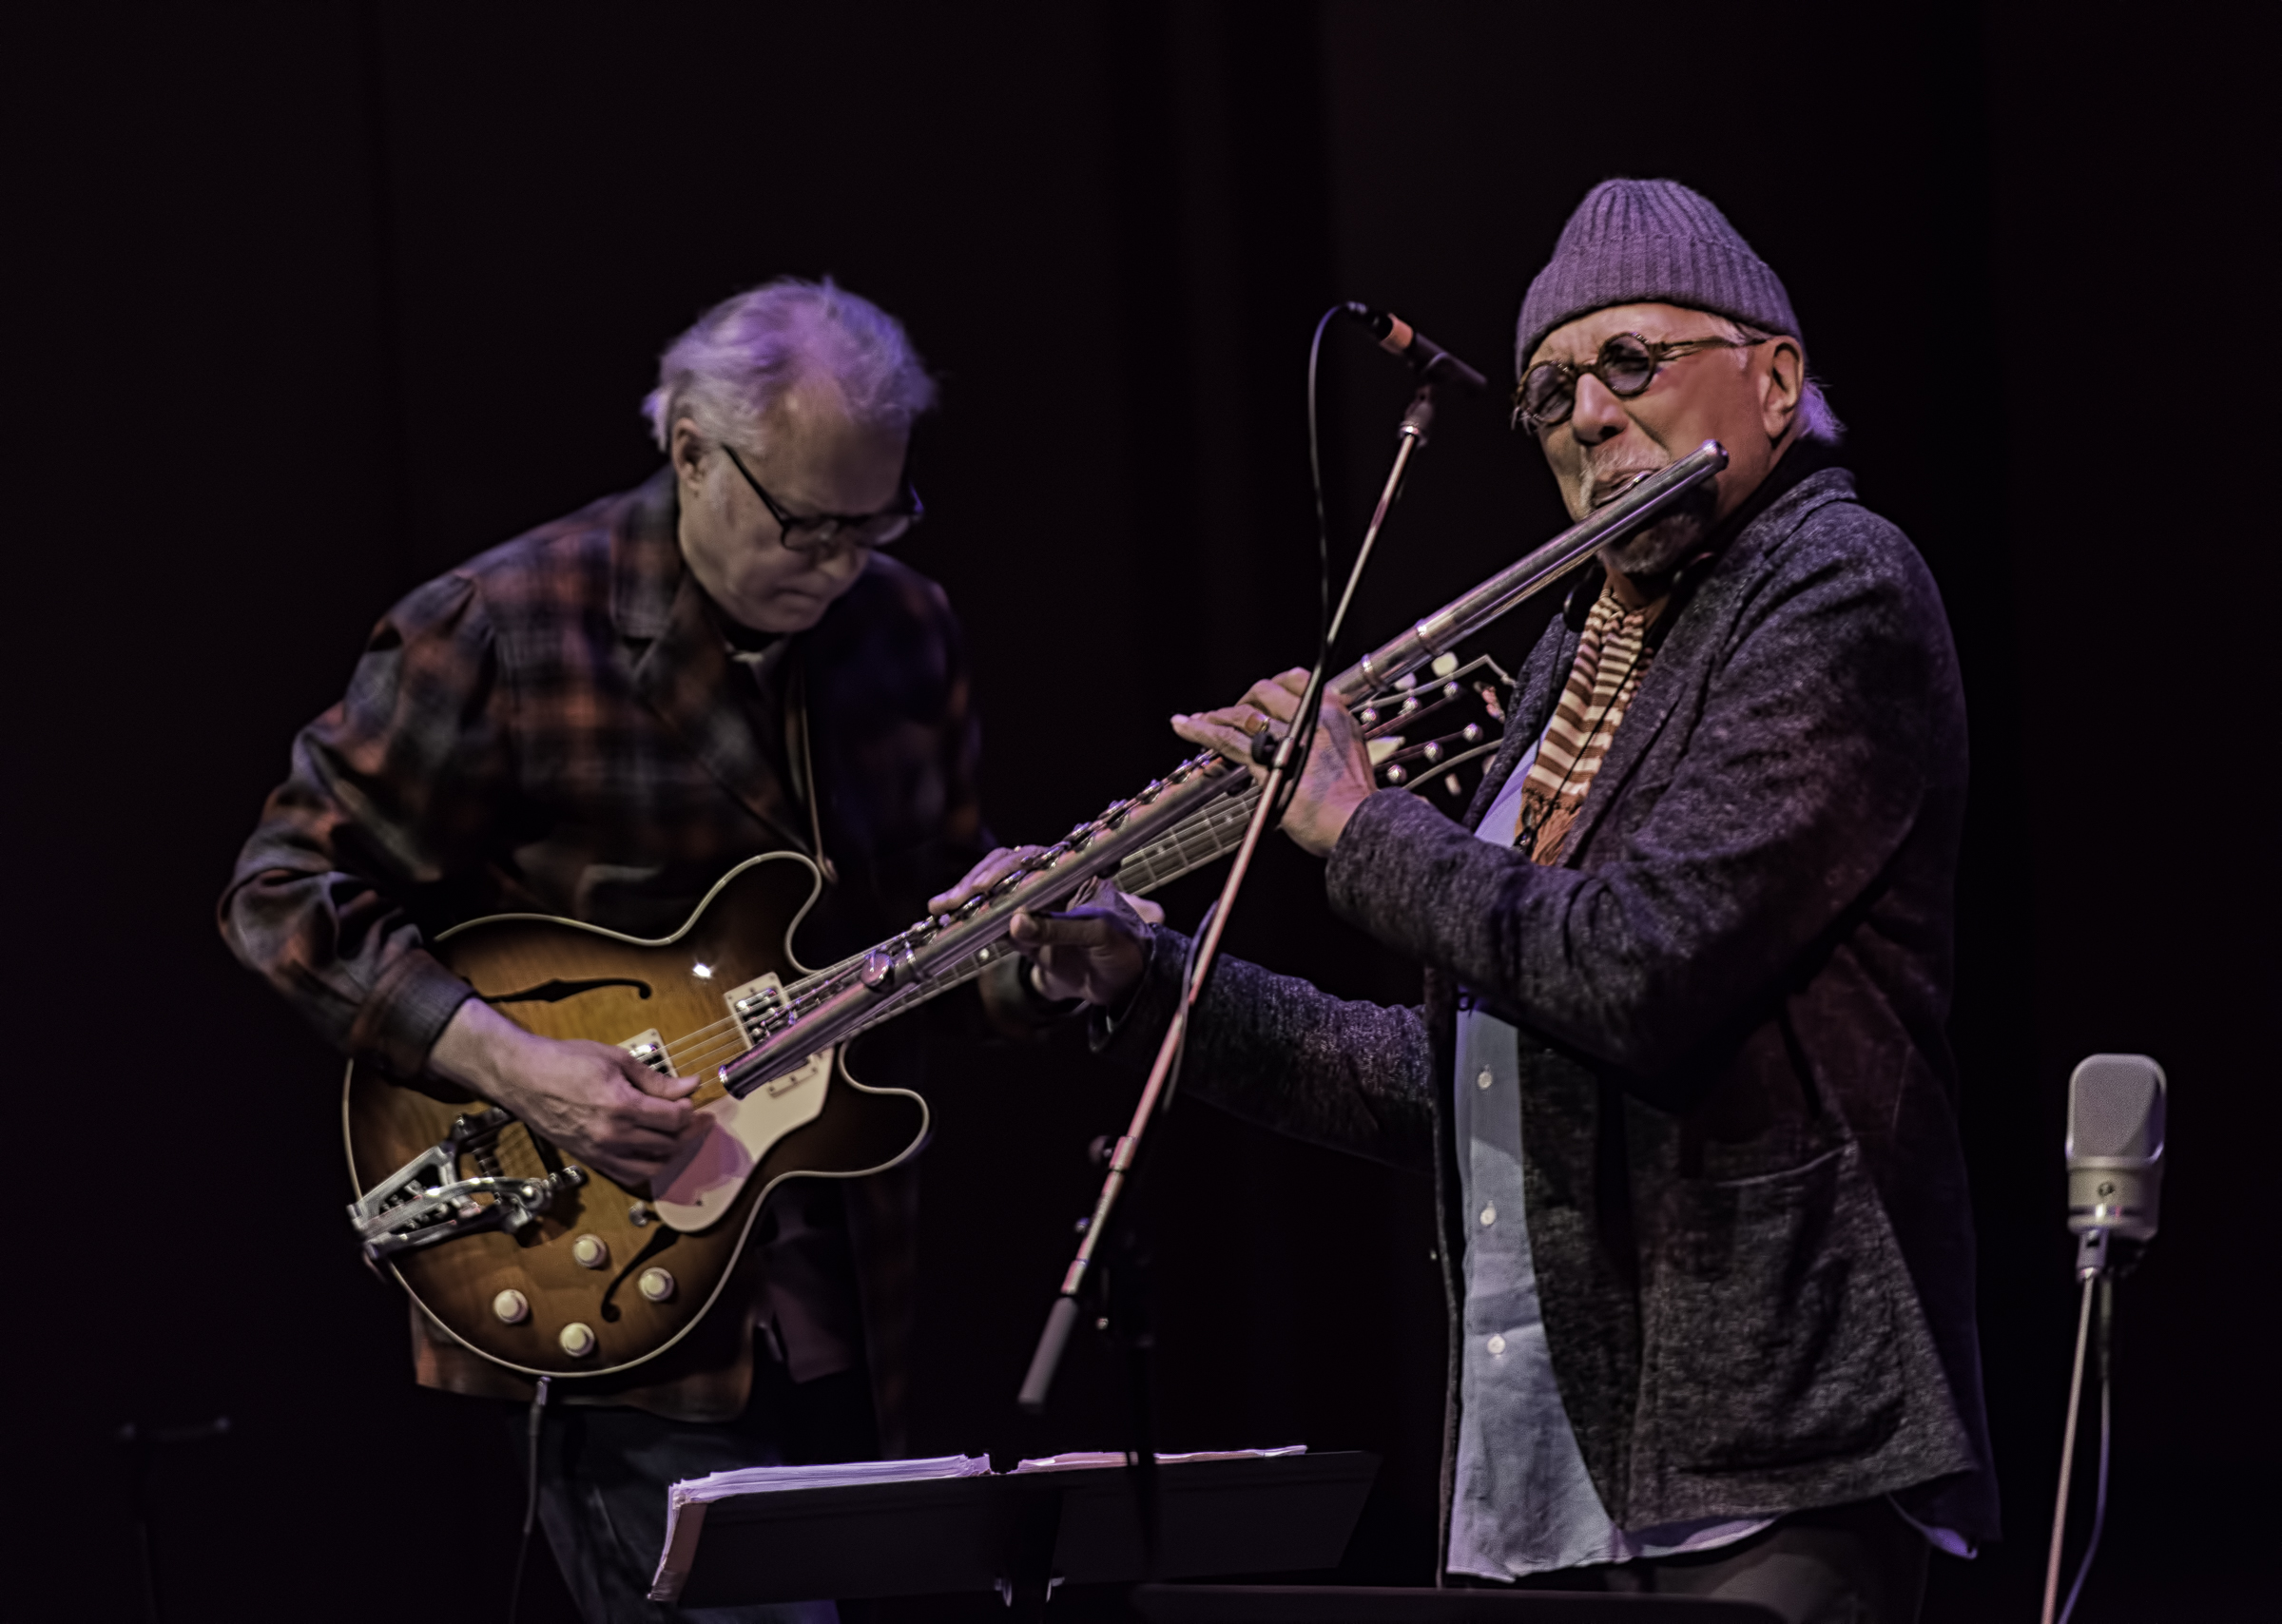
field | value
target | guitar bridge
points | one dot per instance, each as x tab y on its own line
425	1202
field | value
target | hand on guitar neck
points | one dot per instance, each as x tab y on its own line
1095	950
594	1100
1336	778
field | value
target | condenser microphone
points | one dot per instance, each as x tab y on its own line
2116	1104
1426	358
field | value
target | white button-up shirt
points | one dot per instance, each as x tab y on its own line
1524	1502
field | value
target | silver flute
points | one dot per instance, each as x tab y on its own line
1184	819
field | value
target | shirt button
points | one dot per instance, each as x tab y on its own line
1484	1080
1497	1344
1489	1214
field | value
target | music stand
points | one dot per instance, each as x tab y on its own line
1023	1534
1330	1604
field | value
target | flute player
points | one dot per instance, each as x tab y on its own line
1680	1076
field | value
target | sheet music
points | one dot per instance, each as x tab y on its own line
1080	1460
686	1500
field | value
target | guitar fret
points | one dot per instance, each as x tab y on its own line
1203	837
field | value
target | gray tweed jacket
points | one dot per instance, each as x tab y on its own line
1746	1194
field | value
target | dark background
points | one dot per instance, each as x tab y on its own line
309	302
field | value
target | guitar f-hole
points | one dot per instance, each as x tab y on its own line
556	990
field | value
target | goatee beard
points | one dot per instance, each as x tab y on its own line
1664	546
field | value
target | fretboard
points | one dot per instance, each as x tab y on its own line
1207	837
1211	835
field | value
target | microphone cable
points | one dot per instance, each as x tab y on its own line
1326	628
1303	722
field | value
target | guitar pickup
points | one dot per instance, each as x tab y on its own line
753	1006
649	1048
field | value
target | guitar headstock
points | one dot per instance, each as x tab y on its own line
1436	733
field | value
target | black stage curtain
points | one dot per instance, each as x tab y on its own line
309	302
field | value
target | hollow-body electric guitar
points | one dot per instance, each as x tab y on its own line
552	1269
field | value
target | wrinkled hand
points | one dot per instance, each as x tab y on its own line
1095	950
1336	777
594	1100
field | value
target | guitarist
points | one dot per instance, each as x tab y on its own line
596	721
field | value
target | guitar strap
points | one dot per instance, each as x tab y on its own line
796	726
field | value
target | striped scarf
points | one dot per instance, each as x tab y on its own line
1611	657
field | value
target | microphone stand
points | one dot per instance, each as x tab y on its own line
2101	1259
1156	1094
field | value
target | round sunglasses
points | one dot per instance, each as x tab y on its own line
1627	365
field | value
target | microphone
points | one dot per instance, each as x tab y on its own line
2115	1106
1426	358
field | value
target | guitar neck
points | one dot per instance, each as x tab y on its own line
1201	841
1210	836
1177	825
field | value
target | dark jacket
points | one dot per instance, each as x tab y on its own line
557	726
1746	1194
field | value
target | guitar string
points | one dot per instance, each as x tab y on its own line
724	1029
728	1034
719	1044
726	1038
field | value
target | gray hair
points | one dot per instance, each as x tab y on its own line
748	352
1816	420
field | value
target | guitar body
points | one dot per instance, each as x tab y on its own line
551	1270
636	1268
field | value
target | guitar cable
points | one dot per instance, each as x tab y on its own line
531	1500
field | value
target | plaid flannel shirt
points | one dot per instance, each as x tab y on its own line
557	726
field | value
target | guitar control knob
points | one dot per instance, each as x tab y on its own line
655	1283
577	1340
590	1252
512	1306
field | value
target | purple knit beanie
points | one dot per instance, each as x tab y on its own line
1650	242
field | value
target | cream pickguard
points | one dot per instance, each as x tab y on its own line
694	1194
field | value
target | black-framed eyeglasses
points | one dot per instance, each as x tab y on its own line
819	532
1627	365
